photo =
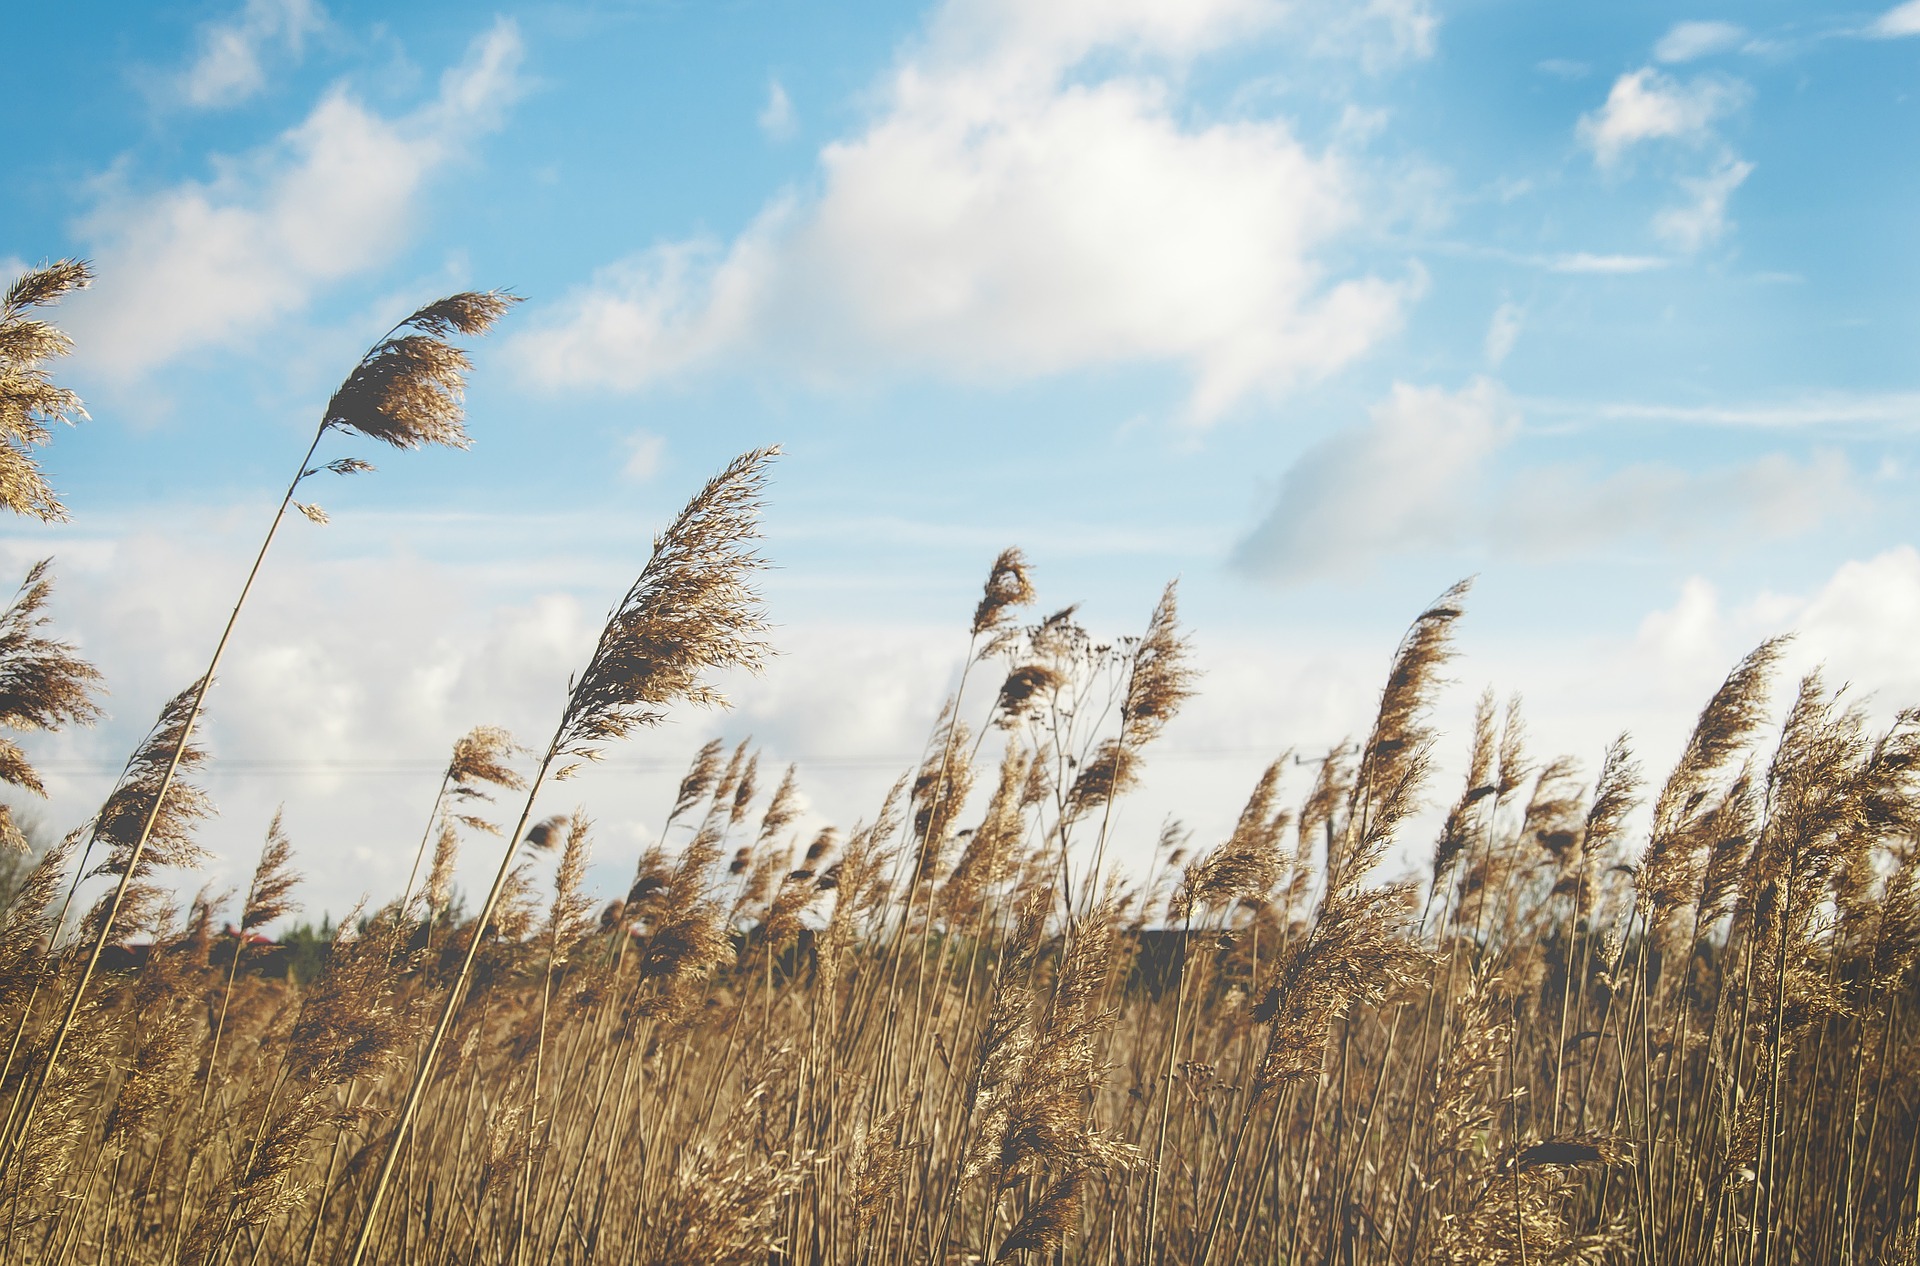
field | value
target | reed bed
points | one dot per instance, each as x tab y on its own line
1610	1019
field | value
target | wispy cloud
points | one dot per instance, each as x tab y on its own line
1703	219
230	66
1587	262
776	117
1896	410
644	451
1502	332
1690	41
208	263
1006	215
1646	105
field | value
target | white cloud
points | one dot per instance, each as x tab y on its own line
776	117
1502	332
209	263
1858	626
1701	221
1647	105
1422	474
1689	41
229	66
1899	21
1006	217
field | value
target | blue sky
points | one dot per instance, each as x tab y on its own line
1316	306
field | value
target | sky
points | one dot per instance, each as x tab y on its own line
1316	307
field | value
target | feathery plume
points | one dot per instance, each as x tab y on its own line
1161	678
29	399
446	852
940	791
1671	870
569	918
1023	692
692	611
135	848
700	778
44	685
782	809
269	895
1250	862
988	858
745	790
1393	762
1456	831
480	759
1008	586
406	390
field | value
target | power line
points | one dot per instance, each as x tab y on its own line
320	768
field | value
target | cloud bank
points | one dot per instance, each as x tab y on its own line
1432	470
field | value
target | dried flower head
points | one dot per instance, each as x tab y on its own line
270	895
446	851
1250	862
44	685
29	400
121	819
699	779
406	391
1394	760
782	809
1161	678
1007	587
570	916
480	757
692	611
1671	870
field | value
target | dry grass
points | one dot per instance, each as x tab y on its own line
958	1032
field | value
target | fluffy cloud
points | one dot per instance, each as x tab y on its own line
1647	105
1423	474
1689	41
229	67
1006	215
1858	626
1899	21
207	263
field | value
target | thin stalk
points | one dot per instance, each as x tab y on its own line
396	1144
25	1126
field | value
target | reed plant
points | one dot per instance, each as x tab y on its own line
1569	1015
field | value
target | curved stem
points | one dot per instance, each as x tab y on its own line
424	1074
21	1131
